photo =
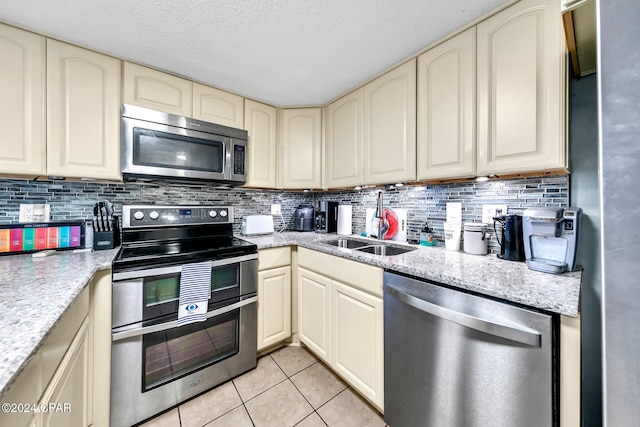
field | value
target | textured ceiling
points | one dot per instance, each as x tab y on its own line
283	52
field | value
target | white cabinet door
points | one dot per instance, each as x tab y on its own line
521	89
300	146
149	88
22	104
274	306
343	141
69	385
357	345
83	113
260	121
314	312
446	109
390	126
217	106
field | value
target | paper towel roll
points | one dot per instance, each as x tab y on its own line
344	219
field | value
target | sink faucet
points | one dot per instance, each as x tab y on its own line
383	222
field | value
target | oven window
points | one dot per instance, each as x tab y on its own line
225	277
174	353
166	150
163	289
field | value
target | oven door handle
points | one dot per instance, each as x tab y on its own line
136	330
139	274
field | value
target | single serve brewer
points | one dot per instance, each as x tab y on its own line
551	238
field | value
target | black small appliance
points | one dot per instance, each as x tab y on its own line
327	217
511	242
303	218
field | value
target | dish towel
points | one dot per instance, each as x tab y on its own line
195	290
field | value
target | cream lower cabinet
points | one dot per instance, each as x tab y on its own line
72	368
274	296
390	126
83	113
69	388
570	372
260	121
343	141
300	148
340	319
521	56
314	311
22	104
149	88
446	117
357	339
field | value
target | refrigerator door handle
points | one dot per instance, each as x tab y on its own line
515	333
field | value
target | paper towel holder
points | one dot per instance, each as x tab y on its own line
345	213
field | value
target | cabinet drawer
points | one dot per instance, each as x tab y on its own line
274	257
356	274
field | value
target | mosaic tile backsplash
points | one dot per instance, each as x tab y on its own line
425	203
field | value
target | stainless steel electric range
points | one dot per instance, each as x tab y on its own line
156	363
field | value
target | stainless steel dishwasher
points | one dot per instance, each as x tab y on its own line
453	359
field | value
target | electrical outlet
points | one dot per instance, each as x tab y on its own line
276	209
490	211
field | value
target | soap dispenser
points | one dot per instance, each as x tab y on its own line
426	236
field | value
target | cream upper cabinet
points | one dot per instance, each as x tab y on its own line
22	104
260	121
390	126
217	106
343	141
149	88
83	113
521	89
446	109
299	146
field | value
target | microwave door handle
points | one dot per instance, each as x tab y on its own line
136	330
514	333
228	149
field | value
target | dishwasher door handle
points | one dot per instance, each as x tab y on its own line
522	335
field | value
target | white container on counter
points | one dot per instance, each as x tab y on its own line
452	232
475	238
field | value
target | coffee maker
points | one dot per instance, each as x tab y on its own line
551	238
511	242
326	220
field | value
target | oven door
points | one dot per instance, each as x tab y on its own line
156	366
150	293
152	149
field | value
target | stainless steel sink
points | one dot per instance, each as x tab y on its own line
385	250
347	243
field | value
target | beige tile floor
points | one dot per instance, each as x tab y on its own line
290	387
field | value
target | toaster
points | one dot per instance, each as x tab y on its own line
257	224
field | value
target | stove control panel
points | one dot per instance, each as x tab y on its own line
157	216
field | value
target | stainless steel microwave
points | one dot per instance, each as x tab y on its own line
157	145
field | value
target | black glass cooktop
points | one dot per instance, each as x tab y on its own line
166	253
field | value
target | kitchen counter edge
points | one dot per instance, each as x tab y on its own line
486	275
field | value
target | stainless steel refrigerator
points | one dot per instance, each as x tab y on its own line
619	107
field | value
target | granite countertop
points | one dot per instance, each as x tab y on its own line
486	275
35	293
